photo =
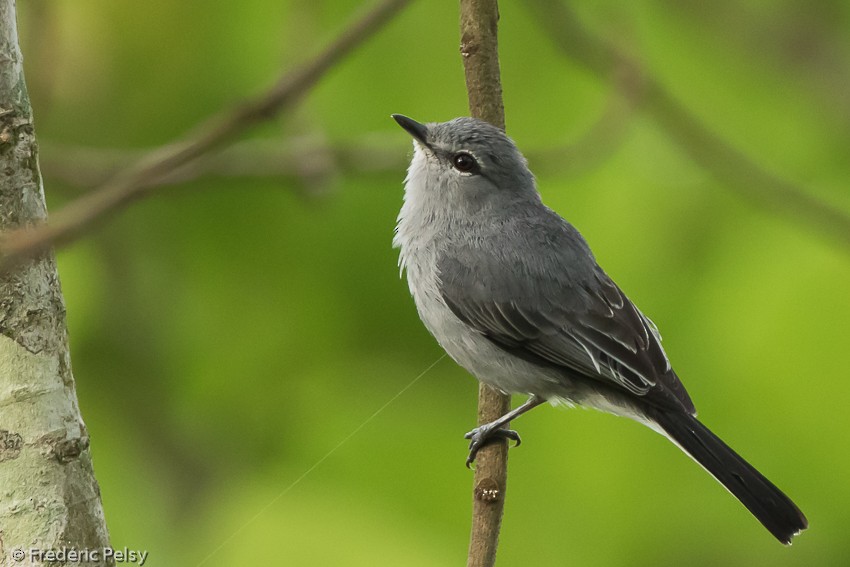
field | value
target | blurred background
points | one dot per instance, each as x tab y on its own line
230	332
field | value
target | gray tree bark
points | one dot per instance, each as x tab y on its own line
49	498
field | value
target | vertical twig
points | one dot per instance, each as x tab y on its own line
479	48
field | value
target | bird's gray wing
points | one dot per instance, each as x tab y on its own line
581	322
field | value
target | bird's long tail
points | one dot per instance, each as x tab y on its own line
766	502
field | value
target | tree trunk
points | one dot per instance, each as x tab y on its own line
49	498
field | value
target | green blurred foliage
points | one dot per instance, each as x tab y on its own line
233	339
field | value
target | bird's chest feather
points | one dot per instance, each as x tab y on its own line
420	248
423	236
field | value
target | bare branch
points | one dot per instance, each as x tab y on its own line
479	48
479	21
710	151
140	179
490	483
314	161
299	157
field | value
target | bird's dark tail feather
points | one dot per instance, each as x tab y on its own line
767	503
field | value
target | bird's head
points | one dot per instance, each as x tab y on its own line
467	164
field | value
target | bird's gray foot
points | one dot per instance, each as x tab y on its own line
482	435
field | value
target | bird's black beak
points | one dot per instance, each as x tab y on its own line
414	128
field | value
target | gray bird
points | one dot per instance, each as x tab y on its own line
513	294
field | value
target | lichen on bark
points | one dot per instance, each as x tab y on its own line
49	498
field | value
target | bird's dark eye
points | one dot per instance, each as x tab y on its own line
464	162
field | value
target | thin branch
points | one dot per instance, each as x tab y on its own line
314	161
489	483
479	49
298	157
710	151
140	179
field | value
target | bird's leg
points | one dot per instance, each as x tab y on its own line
482	434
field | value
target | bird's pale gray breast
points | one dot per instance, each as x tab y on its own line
423	251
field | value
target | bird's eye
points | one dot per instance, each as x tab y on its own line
464	162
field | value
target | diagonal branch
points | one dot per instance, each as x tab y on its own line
140	179
725	162
305	158
313	162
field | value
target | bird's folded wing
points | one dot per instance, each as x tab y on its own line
585	325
